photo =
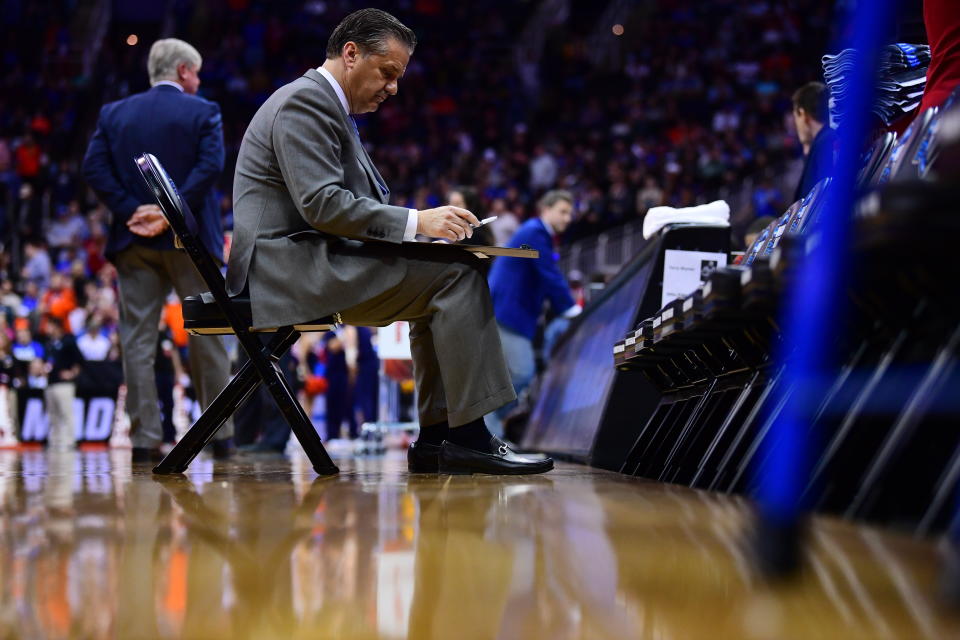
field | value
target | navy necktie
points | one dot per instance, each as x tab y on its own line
356	129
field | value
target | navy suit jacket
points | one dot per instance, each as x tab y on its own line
819	163
185	133
520	285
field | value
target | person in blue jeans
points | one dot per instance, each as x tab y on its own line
519	287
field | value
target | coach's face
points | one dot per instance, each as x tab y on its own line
372	78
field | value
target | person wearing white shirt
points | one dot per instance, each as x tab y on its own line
94	343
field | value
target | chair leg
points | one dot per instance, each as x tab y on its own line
631	464
290	407
237	392
243	384
633	458
758	441
946	486
259	368
688	427
722	431
724	468
907	422
838	439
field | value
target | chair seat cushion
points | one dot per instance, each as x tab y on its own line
202	314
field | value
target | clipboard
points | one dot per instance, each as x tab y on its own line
484	252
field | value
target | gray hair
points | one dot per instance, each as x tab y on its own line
166	55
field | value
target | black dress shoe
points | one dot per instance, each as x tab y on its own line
223	449
423	458
498	460
146	454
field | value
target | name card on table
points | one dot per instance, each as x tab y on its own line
684	271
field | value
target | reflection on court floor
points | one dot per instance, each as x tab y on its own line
92	548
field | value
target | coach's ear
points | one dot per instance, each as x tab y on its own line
350	54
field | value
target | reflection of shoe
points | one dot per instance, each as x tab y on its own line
145	454
423	458
498	460
223	449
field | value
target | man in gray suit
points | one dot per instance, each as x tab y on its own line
314	235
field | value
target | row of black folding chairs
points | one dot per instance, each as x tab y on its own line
881	428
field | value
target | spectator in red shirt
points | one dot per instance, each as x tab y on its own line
942	20
28	156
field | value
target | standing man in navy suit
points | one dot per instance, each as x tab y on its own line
519	288
185	133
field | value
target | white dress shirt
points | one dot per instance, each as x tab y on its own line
169	82
411	230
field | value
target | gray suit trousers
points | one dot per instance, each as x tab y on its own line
146	277
457	358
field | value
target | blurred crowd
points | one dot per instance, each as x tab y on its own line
697	108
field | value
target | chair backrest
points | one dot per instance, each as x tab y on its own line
799	222
819	203
876	159
184	226
909	167
906	147
929	149
754	250
783	223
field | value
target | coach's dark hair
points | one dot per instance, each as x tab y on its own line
813	98
370	29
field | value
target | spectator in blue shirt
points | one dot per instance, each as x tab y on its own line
519	287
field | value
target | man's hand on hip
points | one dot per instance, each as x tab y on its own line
147	221
447	222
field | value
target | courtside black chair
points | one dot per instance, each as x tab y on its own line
216	313
876	159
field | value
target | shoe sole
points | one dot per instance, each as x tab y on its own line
507	471
421	471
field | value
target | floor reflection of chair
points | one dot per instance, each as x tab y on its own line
257	550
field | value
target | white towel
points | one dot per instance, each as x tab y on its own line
713	213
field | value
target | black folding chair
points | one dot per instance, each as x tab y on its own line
216	313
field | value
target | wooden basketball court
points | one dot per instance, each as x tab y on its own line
91	548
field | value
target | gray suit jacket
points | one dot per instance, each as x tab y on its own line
306	196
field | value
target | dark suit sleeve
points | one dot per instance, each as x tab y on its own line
76	356
101	173
308	151
557	290
209	164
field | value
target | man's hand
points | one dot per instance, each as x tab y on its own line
449	223
147	221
